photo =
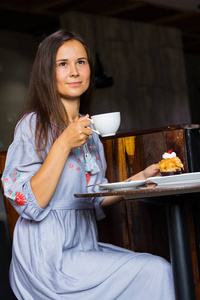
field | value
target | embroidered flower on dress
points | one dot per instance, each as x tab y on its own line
88	176
19	199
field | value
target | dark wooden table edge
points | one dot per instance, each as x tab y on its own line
148	192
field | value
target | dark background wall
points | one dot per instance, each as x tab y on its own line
192	65
146	62
17	52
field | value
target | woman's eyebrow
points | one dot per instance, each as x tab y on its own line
83	58
62	59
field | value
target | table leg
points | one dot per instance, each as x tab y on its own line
180	252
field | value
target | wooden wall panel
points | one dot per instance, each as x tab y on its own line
143	226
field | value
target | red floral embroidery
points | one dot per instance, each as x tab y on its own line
70	165
14	179
79	160
5	178
19	199
88	177
102	166
98	158
15	172
10	192
81	151
78	169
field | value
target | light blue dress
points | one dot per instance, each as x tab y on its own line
56	253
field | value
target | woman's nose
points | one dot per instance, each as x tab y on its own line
74	70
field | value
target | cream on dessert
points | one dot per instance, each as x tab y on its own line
170	164
169	154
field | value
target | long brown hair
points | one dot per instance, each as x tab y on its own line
43	97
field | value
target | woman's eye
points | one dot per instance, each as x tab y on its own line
63	64
81	62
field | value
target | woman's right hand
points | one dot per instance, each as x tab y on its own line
76	134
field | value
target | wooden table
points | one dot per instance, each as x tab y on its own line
173	197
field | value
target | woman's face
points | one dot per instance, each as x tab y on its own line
72	70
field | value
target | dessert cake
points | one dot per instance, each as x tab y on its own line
170	164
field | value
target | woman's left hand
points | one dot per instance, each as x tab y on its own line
150	171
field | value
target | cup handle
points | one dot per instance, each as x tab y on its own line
96	131
91	120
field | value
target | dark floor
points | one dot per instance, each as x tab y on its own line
5	255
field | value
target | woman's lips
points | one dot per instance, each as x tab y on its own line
74	83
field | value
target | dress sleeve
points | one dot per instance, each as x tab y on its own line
22	162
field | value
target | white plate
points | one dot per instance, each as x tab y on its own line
123	185
186	178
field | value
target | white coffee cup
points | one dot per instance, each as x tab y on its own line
107	124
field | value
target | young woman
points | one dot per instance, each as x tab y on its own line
55	154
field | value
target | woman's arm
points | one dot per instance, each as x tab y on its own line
150	171
45	181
